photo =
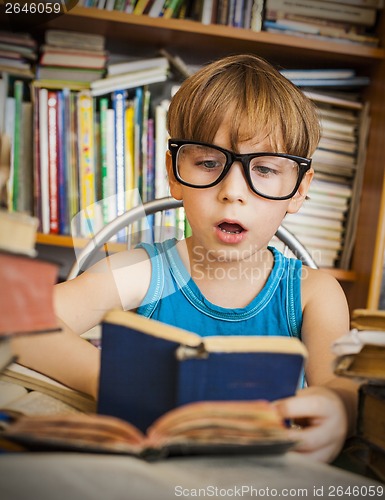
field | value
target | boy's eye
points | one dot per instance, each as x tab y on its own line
263	170
209	164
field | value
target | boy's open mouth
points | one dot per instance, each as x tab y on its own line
231	228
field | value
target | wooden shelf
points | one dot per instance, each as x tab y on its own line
69	242
219	39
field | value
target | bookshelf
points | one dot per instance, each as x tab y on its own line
211	41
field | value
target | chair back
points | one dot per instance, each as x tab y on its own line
161	208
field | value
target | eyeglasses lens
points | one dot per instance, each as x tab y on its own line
201	165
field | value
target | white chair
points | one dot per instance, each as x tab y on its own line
88	253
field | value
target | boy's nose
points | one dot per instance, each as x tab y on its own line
234	186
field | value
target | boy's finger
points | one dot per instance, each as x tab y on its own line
301	407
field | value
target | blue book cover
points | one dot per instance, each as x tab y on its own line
149	368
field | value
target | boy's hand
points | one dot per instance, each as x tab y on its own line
323	422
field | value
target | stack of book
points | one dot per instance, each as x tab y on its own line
326	223
17	54
27	305
347	21
130	74
361	356
72	57
26	309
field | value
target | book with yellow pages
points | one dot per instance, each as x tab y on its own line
211	427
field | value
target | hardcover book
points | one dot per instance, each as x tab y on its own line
149	368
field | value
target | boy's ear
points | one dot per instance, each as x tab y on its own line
300	196
175	186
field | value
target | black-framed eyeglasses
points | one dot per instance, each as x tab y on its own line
275	176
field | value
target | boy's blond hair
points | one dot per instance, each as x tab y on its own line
253	98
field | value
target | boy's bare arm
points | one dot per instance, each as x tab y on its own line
326	318
118	281
63	356
326	410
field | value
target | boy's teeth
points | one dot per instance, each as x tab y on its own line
229	232
229	228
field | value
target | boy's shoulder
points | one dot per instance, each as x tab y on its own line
317	283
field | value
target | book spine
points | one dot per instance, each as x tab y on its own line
15	174
119	105
323	10
62	127
130	154
138	115
144	138
161	187
371	414
4	87
36	158
44	164
238	14
156	8
377	4
140	6
103	106
53	161
86	162
25	199
73	166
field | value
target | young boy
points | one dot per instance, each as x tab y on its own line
241	138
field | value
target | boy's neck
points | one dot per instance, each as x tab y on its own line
227	283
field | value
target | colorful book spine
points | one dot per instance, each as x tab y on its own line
130	154
15	174
111	169
44	164
73	159
63	133
119	104
103	107
86	162
36	156
53	161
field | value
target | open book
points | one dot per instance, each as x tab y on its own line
205	427
30	379
16	399
149	368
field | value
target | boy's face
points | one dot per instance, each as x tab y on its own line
230	218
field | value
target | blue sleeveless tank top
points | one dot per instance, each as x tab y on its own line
174	298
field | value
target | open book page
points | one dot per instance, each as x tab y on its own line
16	398
37	403
218	422
34	380
10	393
